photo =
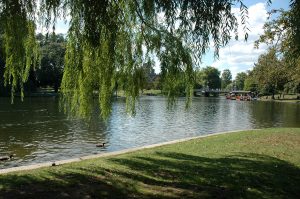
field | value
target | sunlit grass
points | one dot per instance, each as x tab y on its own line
291	98
250	164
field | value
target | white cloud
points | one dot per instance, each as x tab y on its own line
239	56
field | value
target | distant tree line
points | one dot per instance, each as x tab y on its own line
272	75
49	71
211	78
277	71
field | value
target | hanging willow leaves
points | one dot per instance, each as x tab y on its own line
19	43
109	41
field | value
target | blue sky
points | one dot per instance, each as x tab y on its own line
238	56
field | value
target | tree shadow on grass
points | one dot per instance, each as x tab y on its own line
238	176
163	174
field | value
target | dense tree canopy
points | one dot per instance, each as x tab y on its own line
226	78
270	74
282	35
209	78
279	69
52	51
108	37
149	74
240	80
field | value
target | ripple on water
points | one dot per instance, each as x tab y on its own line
37	132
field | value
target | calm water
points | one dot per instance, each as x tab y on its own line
36	131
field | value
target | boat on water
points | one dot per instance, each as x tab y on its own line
240	95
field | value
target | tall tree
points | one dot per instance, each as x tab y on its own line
226	78
282	35
52	61
270	73
4	91
149	74
240	80
211	78
251	83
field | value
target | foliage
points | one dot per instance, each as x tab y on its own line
20	47
270	73
226	78
292	87
52	61
4	91
157	84
250	83
240	80
149	75
282	35
209	77
118	36
230	86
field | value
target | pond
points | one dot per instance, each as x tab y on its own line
36	131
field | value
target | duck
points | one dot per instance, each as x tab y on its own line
4	158
100	145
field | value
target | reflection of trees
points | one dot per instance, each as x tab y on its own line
269	114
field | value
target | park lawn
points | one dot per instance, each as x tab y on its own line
250	164
154	92
288	98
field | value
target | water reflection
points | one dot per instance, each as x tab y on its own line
36	131
266	114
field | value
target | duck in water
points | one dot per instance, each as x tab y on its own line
4	158
100	145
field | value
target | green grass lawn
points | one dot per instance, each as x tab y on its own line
152	92
145	92
290	98
249	164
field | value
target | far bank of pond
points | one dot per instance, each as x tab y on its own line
282	98
37	132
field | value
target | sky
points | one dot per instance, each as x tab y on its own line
237	56
240	56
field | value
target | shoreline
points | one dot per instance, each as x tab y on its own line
291	101
113	153
244	164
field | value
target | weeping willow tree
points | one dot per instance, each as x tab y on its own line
109	40
20	48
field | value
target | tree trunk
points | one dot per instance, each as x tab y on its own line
55	88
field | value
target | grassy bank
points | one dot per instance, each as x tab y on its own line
250	164
150	92
278	98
